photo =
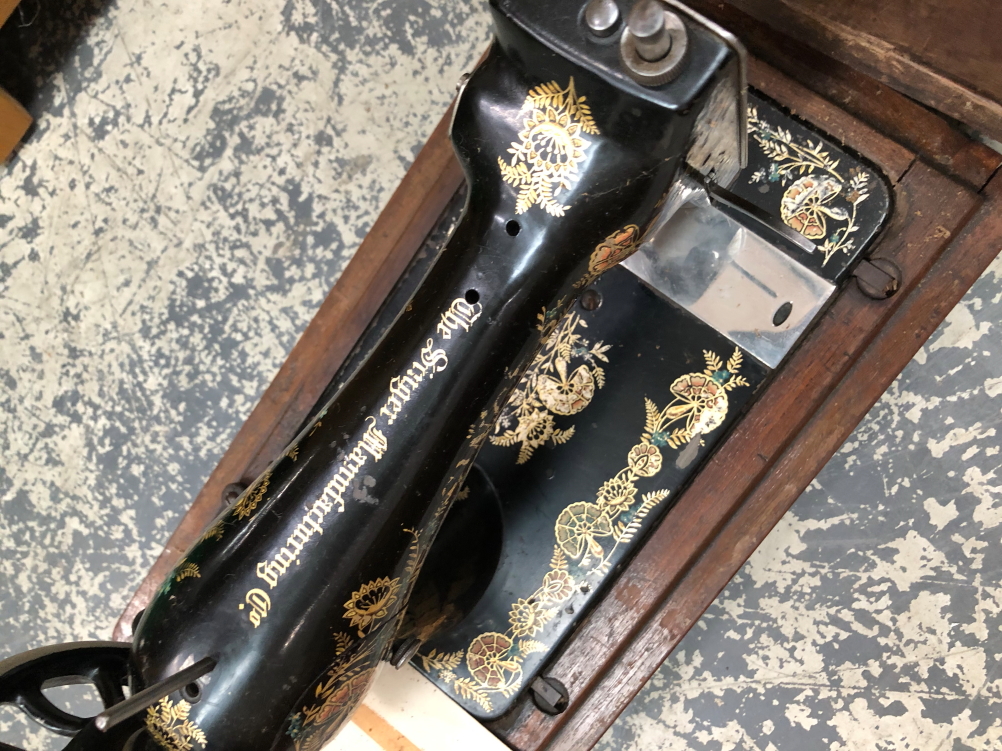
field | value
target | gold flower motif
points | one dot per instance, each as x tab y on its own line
536	428
617	247
169	726
527	617
489	663
805	205
558	585
616	493
545	159
645	460
577	527
707	398
371	603
568	394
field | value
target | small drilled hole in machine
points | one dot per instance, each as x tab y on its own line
782	313
512	227
472	296
192	692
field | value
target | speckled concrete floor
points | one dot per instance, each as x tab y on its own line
200	175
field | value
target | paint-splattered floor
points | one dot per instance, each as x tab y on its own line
199	176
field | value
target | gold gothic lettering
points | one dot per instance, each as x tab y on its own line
403	387
460	314
371	445
260	605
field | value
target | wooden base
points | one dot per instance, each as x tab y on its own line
944	231
14	123
14	119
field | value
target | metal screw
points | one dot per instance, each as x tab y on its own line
549	695
878	278
591	299
233	491
602	17
654	46
405	652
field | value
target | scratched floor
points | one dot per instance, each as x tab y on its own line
199	176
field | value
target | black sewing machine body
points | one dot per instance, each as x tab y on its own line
592	400
266	635
664	352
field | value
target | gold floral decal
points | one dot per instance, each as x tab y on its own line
170	727
336	696
347	679
371	603
249	501
188	571
545	159
561	380
700	399
616	247
815	183
548	318
493	660
215	532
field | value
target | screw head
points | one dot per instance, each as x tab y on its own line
602	17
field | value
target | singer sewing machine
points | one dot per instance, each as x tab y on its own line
577	376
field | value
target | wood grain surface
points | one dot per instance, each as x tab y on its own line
943	53
6	8
14	123
884	109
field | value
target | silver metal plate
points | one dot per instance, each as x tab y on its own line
727	275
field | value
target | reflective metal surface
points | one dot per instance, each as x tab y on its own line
728	276
719	149
602	17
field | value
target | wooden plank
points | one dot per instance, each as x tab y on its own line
888	111
14	123
6	8
389	246
958	38
912	322
856	46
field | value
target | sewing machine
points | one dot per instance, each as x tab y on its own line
648	273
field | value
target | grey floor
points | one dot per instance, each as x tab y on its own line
199	176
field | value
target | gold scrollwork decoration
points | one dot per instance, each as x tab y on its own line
816	190
546	158
617	247
187	571
248	502
336	696
561	380
168	724
587	535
